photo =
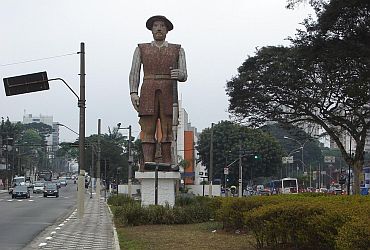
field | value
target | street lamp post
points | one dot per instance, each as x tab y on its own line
130	160
301	147
210	172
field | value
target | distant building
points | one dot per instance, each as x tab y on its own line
52	140
186	141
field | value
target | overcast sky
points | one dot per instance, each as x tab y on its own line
217	35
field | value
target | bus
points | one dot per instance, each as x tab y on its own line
45	175
283	186
289	186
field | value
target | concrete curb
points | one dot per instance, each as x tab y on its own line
116	241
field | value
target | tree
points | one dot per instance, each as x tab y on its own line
311	152
228	138
322	78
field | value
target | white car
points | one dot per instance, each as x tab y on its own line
38	187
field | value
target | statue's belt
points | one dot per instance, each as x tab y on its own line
157	77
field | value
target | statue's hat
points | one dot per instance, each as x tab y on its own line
149	23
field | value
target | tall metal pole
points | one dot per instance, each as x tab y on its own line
349	165
130	160
105	180
98	163
240	171
9	182
81	163
91	170
210	172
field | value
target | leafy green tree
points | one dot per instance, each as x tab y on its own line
228	139
311	150
322	78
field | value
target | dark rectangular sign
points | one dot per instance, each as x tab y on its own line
26	83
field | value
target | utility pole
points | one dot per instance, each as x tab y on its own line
130	160
98	163
240	171
91	170
81	162
210	172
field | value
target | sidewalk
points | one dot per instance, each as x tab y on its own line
94	231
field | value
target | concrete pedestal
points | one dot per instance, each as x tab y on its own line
166	187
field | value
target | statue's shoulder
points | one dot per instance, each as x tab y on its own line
174	45
143	44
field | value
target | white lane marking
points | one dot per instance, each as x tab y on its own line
10	200
19	200
48	238
61	225
42	244
30	200
57	228
52	233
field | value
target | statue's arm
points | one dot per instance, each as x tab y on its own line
180	74
134	78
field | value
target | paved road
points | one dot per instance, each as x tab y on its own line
23	219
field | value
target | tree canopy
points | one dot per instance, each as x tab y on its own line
321	78
228	140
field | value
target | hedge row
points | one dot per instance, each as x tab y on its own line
301	222
126	211
276	222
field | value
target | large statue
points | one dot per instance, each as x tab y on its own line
163	65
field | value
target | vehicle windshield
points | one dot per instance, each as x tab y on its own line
39	184
51	186
20	188
290	183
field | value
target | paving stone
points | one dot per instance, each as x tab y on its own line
94	231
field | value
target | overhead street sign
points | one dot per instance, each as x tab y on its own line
287	159
329	159
26	83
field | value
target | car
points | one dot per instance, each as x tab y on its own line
63	182
38	187
51	189
57	182
21	192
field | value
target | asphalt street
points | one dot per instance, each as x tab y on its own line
23	219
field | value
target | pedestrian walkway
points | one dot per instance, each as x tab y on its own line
94	231
3	191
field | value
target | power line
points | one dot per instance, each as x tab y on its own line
40	59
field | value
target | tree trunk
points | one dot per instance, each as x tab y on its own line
357	171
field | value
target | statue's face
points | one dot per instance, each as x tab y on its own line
159	31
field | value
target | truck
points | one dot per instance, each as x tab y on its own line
17	181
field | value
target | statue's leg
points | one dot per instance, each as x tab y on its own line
166	127
148	127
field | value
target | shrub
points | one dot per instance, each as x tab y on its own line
308	222
355	234
120	200
187	210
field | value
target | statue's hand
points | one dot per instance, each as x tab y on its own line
135	101
177	74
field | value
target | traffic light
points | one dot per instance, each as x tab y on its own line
256	156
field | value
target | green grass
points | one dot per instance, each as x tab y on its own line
190	236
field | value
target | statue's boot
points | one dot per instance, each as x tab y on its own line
148	151
166	152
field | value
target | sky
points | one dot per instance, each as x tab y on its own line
217	36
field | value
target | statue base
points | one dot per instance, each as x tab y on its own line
158	187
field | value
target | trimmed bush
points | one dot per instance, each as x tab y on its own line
355	234
299	225
187	210
120	200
